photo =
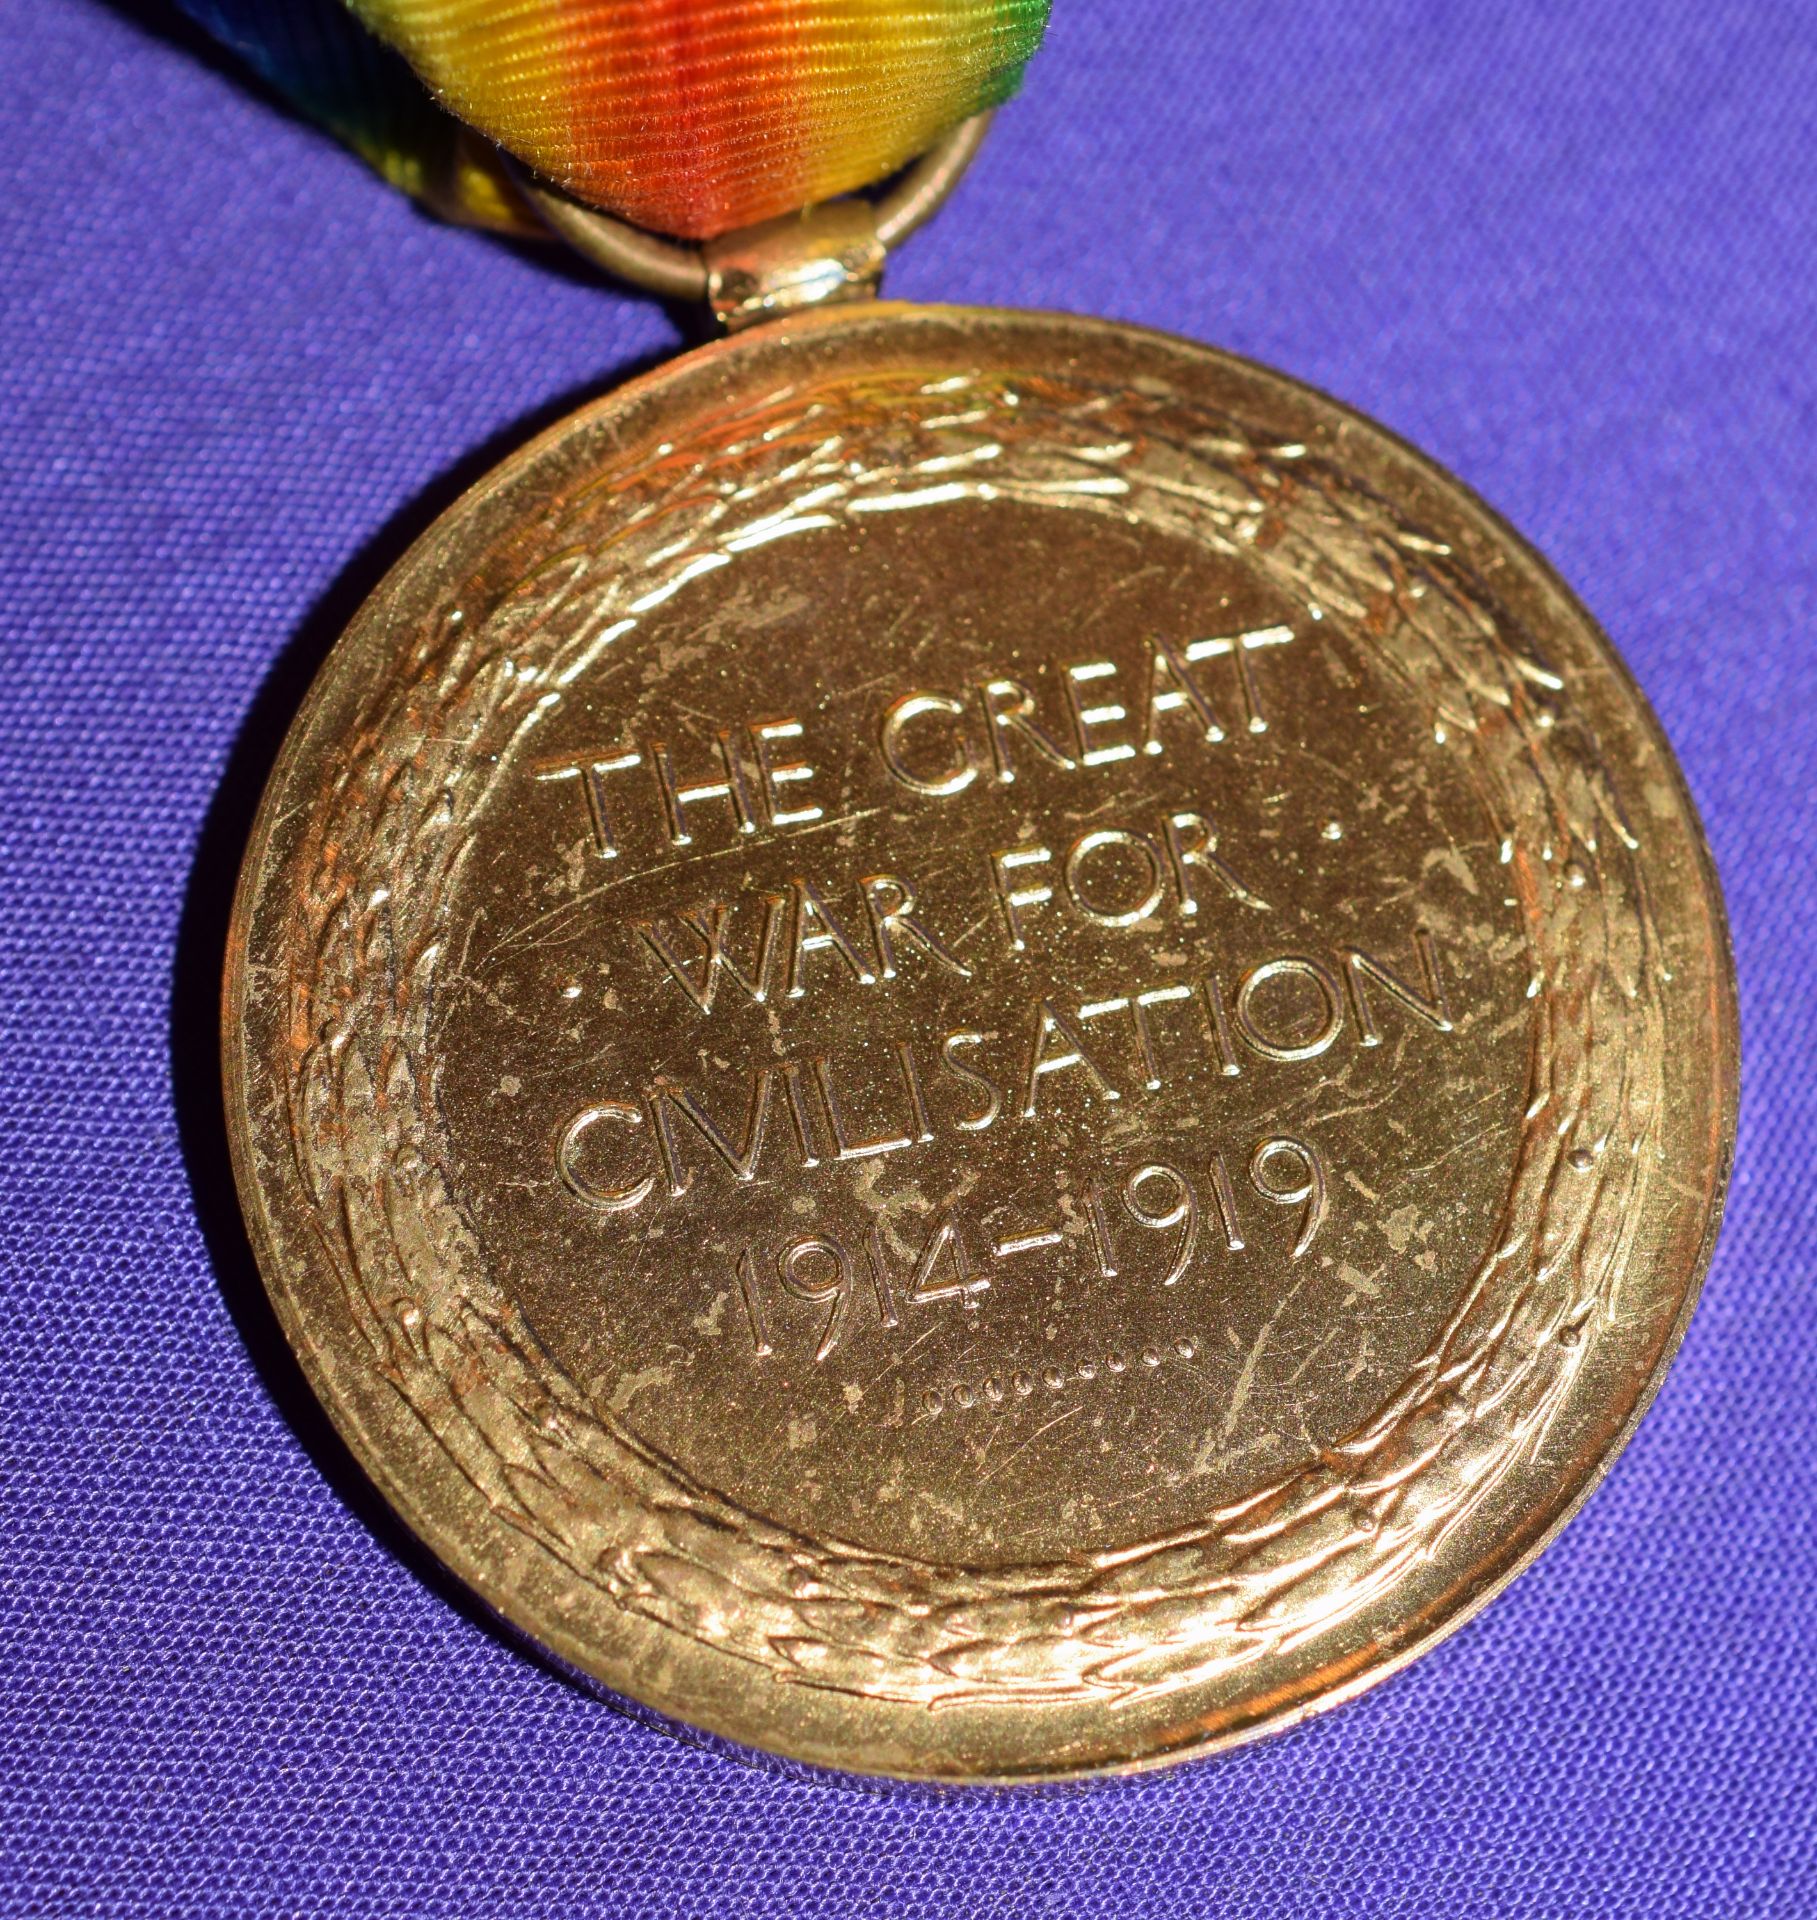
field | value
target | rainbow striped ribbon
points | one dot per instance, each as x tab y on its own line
689	117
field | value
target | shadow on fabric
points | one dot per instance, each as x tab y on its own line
195	1006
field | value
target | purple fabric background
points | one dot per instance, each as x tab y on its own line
1569	248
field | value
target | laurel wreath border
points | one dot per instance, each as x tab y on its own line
373	892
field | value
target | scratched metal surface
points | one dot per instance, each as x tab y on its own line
994	1234
1568	263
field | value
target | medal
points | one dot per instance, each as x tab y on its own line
971	1044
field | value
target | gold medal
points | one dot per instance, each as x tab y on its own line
975	1045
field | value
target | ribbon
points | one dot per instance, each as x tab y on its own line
688	117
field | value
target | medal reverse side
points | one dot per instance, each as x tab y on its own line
979	1046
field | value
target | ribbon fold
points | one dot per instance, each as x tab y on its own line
688	117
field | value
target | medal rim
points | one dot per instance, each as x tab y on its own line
617	1667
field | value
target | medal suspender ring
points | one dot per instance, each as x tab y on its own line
853	235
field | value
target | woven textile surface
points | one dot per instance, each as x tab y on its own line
1571	249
